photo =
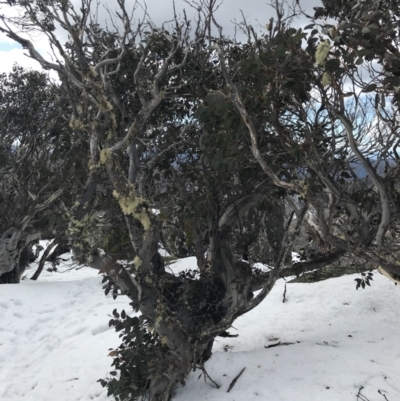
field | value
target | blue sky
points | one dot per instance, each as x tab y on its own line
7	46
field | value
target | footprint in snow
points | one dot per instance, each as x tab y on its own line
43	319
46	311
67	304
99	330
18	315
77	332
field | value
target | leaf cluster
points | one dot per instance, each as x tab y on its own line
133	359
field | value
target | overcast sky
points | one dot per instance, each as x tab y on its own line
229	10
256	12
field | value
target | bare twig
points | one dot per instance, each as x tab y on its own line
284	294
207	376
360	396
235	380
277	344
383	395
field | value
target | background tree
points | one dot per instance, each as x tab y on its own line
37	155
314	102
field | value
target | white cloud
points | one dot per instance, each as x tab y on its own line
9	58
18	56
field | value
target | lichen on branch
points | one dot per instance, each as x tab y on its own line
105	156
134	206
322	52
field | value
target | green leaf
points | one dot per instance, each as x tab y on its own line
365	52
280	51
345	25
393	80
370	88
332	65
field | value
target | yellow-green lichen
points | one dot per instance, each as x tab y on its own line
137	261
76	124
157	321
94	166
303	188
104	104
105	155
134	206
92	72
326	79
110	134
322	52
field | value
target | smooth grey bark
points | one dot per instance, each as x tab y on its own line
15	255
9	250
14	240
43	259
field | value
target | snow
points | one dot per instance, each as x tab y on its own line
54	342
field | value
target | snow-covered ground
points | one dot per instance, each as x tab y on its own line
54	342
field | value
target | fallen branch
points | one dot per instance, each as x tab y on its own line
277	344
235	380
284	295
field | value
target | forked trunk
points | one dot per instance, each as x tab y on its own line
191	321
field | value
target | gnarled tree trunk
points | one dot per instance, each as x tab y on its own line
15	255
9	256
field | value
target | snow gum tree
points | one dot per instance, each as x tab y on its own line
230	147
327	96
35	157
